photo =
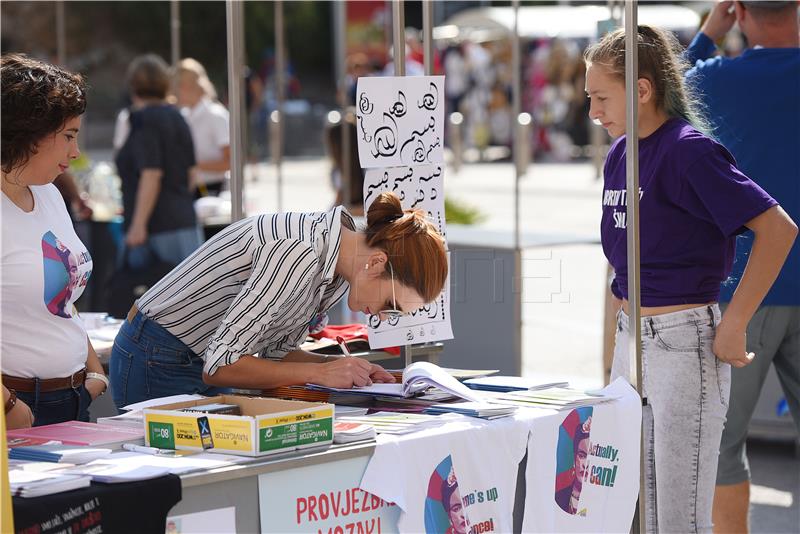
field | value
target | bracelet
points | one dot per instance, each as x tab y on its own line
12	400
101	377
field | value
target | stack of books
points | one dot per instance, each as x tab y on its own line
504	384
348	432
394	423
80	433
553	398
69	454
483	410
35	484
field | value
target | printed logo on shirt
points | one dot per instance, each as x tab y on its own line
572	459
581	463
444	507
445	504
615	198
63	280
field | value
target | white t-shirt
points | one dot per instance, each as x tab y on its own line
45	268
453	478
209	124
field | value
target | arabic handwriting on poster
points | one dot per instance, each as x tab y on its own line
401	121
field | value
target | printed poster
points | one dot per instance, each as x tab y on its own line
323	499
583	471
400	121
418	188
457	479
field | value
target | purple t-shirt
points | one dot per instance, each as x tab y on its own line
693	203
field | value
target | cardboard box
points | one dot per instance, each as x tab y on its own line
266	426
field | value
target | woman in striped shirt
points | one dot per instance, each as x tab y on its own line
234	313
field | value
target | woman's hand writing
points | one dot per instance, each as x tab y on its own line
344	373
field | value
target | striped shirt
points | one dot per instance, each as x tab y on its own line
252	288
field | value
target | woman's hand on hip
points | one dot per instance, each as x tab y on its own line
344	373
95	387
730	345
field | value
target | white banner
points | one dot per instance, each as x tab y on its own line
323	499
418	188
400	120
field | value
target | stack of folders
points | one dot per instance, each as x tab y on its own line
483	410
504	384
35	484
553	398
69	454
394	423
82	433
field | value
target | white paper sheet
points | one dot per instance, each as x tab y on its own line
163	400
422	188
400	120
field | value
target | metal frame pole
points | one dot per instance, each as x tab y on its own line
399	37
235	39
175	30
399	62
280	92
61	34
518	148
632	185
340	47
427	36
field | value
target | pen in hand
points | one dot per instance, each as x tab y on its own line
343	346
346	351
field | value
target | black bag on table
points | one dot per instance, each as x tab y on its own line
128	284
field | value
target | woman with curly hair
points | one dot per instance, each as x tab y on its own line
48	363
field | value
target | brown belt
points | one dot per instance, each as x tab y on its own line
28	385
132	313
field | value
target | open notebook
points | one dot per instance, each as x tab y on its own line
417	377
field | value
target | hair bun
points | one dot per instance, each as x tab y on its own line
384	210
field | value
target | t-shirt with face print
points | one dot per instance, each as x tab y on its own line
45	268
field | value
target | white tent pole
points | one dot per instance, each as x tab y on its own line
340	50
280	93
175	31
632	184
61	34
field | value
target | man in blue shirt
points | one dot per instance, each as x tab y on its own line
753	103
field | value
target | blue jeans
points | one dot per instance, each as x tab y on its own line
57	406
148	362
170	247
687	390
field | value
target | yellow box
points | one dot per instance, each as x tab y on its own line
266	426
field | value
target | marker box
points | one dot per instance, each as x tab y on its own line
265	426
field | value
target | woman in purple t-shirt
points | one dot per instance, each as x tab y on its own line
693	204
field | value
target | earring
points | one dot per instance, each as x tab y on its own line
366	266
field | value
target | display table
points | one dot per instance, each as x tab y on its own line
539	471
514	470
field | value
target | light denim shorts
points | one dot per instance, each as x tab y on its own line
687	390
